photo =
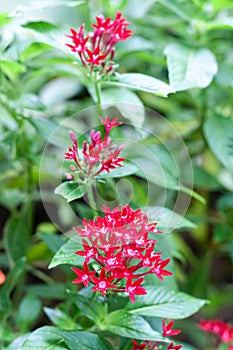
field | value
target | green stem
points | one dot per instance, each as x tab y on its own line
98	95
91	199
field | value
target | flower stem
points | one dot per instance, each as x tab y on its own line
98	96
91	199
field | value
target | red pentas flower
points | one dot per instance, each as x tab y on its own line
167	329
219	328
118	243
97	49
97	156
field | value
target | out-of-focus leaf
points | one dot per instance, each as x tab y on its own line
12	69
53	291
29	310
167	219
189	68
219	135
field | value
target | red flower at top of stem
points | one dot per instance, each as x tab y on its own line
97	49
97	156
118	243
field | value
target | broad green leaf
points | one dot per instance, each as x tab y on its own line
45	338
71	190
25	316
167	219
53	338
66	254
85	341
190	68
90	307
219	135
125	170
141	82
181	9
127	102
60	319
204	179
33	51
122	323
160	302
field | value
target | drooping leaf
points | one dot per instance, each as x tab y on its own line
122	323
189	68
219	135
71	190
160	302
141	82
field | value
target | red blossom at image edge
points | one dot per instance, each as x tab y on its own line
97	156
96	50
220	329
152	345
119	244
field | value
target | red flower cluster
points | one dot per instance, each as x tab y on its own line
96	50
100	155
167	332
222	330
119	243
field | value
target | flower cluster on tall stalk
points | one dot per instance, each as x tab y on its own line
219	332
156	345
97	156
96	50
123	253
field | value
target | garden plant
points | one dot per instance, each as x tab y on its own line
116	203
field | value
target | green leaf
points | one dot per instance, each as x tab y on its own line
66	254
6	289
25	316
127	102
17	234
71	190
53	338
127	325
189	68
45	338
90	307
34	6
12	69
60	319
219	135
40	26
125	170
53	291
33	51
141	82
167	219
160	302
